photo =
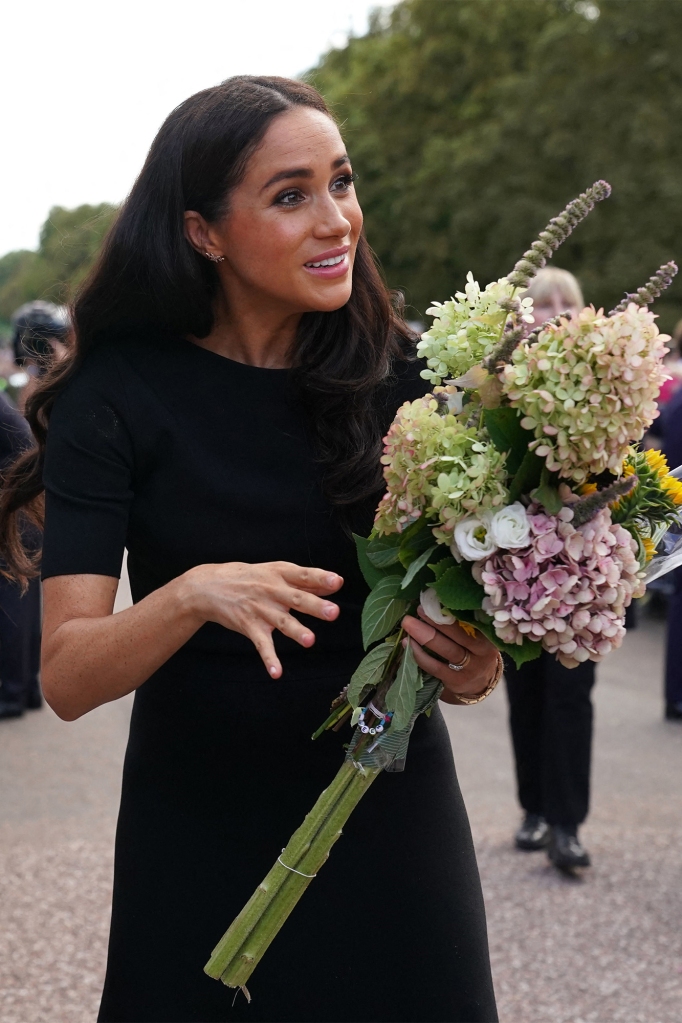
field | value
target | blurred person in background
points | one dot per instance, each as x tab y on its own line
40	333
19	612
673	364
550	710
667	430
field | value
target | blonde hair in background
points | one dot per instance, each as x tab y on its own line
552	281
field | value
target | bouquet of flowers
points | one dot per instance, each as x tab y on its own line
517	504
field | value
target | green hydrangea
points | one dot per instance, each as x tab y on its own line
466	329
587	388
435	465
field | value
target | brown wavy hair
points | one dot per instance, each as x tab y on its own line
148	275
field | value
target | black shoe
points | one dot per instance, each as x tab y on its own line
673	712
565	850
11	709
533	834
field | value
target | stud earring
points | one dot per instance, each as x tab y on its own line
214	259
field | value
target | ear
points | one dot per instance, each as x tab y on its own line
199	234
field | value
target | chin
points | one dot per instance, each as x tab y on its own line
331	300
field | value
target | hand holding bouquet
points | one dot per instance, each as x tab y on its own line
517	508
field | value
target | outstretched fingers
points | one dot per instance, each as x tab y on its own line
307	603
313	580
261	637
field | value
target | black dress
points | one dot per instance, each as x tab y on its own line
186	457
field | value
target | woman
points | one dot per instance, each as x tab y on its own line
237	362
550	707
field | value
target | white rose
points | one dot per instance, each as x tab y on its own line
473	538
429	601
510	527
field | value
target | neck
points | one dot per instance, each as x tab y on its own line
252	334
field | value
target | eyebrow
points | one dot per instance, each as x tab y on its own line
302	172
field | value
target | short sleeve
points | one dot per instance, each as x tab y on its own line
88	474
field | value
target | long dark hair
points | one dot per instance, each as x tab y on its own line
149	275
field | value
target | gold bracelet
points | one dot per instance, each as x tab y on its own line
469	701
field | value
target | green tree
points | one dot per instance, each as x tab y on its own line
472	122
69	243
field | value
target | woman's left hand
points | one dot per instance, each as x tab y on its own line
452	644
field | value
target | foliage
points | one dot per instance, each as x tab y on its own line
469	128
69	243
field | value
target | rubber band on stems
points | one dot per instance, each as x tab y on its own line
293	869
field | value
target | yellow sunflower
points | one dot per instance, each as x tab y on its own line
673	488
657	462
649	548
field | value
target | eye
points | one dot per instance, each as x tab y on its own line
291	197
343	182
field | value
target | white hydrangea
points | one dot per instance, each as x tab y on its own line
466	329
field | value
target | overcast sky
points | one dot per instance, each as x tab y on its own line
84	84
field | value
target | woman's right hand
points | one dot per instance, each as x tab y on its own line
257	599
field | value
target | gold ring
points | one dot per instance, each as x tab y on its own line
462	664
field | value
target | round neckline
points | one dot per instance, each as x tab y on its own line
239	366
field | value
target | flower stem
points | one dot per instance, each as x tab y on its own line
336	715
245	942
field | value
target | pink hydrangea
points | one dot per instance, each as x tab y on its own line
568	589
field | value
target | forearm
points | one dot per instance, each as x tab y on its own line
88	661
91	656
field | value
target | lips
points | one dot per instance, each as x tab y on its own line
328	258
332	263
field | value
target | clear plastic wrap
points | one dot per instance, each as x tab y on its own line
668	542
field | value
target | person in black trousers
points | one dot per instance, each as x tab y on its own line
550	715
550	710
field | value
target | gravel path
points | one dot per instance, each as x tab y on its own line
605	948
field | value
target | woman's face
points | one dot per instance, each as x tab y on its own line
551	306
294	209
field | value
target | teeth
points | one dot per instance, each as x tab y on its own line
329	262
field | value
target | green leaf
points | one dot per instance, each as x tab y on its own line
423	579
371	574
507	434
441	567
402	696
368	672
547	494
382	610
416	539
383	551
528	651
355	716
458	590
548	497
527	477
418	563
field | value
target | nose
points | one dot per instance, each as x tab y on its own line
330	221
